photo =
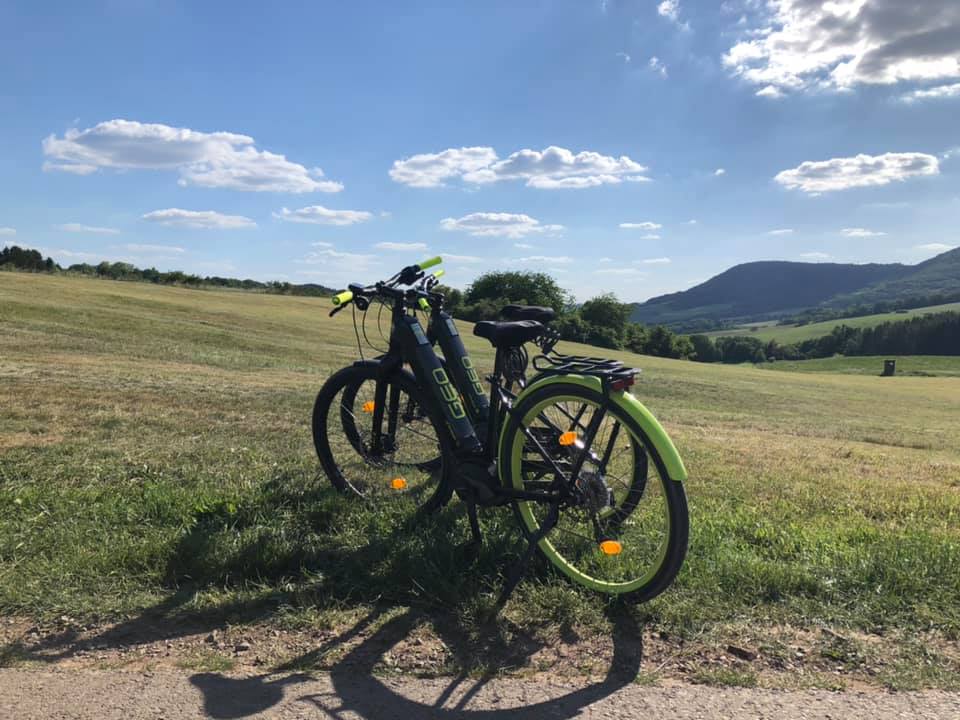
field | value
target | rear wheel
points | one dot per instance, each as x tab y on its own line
415	452
622	528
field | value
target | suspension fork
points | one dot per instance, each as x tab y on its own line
386	371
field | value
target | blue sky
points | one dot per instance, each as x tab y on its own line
638	147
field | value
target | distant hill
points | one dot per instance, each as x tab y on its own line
775	289
940	274
760	290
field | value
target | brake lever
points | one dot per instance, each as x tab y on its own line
337	309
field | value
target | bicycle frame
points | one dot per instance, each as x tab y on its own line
409	343
544	461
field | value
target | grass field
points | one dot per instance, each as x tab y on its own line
155	455
785	334
909	365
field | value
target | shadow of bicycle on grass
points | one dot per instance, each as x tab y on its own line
412	563
359	687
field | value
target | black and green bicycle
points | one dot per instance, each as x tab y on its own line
595	482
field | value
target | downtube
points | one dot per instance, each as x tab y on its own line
465	376
430	374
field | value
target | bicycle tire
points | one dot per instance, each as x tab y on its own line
435	491
642	429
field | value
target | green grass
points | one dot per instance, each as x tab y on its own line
907	365
155	453
786	334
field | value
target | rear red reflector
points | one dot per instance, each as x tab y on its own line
622	383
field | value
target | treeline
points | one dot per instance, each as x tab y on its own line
936	334
603	321
18	258
820	314
32	261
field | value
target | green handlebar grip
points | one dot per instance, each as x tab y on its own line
424	305
439	273
431	262
341	298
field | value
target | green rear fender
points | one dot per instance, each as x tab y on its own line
633	407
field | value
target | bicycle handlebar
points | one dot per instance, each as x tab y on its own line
342	298
408	276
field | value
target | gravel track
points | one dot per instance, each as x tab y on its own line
27	694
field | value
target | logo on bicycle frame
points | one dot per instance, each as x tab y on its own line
472	376
449	394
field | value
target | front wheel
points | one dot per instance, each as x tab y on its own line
415	450
621	526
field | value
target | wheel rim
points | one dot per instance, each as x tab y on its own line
409	466
574	544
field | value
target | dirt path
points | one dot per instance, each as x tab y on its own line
169	695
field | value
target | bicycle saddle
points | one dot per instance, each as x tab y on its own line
508	334
528	312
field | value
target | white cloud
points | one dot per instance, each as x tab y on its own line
860	233
656	64
770	91
469	259
624	56
670	9
336	262
327	254
539	259
859	171
935	93
7	231
619	271
808	44
487	224
523	246
73	254
551	168
650	236
691	222
605	260
218	159
337	267
719	171
319	215
656	261
151	249
89	229
432	169
781	231
199	219
934	247
646	225
815	256
401	246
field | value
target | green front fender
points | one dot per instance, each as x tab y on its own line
633	407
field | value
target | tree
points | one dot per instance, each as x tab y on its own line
530	288
23	259
703	349
606	311
739	349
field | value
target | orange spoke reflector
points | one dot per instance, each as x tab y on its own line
398	483
568	438
368	406
611	547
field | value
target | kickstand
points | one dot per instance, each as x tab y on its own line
472	547
519	568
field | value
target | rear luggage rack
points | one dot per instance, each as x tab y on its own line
613	374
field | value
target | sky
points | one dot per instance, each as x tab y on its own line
626	146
